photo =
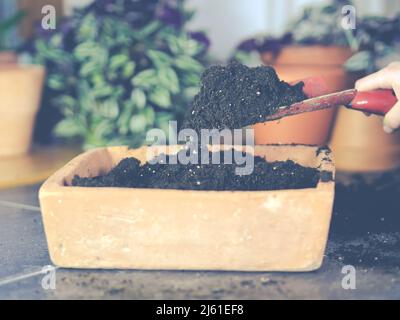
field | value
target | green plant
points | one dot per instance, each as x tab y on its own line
377	41
118	68
6	26
320	24
317	25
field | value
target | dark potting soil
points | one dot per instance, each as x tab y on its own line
265	176
236	96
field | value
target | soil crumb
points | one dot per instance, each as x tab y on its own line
236	96
131	173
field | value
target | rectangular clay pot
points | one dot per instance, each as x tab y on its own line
284	230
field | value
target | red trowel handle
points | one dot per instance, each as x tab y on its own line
376	101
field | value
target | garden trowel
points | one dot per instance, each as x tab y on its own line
376	102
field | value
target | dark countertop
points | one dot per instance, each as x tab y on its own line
368	241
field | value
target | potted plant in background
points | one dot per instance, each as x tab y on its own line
20	92
358	141
119	68
316	45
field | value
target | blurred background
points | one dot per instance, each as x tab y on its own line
87	74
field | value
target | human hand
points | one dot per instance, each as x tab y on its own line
387	78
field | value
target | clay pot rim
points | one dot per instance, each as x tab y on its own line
8	57
315	46
18	67
56	183
331	56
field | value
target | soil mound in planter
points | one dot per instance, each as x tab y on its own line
236	96
265	176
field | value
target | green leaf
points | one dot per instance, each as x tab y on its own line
68	128
190	92
183	45
85	50
124	121
119	92
191	79
138	123
55	82
67	101
85	97
139	98
128	69
169	79
145	78
88	68
102	91
103	129
118	61
88	28
67	105
109	109
159	58
147	30
150	115
188	64
41	47
189	46
160	97
93	52
173	44
362	60
102	57
47	52
56	40
98	79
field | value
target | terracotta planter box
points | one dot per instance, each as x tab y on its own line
282	230
20	93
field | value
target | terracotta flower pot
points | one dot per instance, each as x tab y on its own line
284	230
299	62
20	92
8	57
360	144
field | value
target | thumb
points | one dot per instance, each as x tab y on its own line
377	80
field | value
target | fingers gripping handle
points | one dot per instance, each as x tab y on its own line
375	101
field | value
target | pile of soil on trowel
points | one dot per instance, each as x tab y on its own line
235	96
